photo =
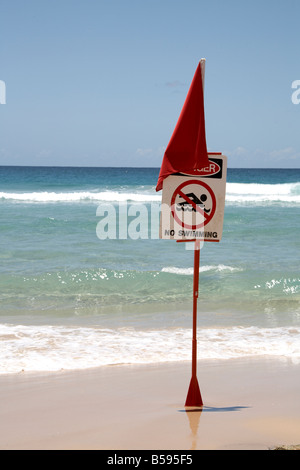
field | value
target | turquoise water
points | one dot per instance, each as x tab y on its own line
71	300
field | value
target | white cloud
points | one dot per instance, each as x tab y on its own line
288	153
146	152
175	84
277	158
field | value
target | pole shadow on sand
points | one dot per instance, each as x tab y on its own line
212	409
194	414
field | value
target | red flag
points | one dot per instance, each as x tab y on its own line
187	151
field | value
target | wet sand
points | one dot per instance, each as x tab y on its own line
248	404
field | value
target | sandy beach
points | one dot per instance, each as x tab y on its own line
248	404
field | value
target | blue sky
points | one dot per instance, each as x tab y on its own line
102	83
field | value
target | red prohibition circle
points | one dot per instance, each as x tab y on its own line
207	218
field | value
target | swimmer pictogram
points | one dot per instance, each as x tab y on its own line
196	197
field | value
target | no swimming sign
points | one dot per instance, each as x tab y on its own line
193	184
193	205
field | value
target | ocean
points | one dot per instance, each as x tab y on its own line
85	281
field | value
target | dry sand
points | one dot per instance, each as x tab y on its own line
248	404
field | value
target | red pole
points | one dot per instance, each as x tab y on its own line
194	396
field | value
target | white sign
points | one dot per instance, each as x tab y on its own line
193	205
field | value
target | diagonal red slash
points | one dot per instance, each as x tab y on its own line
189	201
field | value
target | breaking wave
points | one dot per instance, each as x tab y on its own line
52	348
80	196
263	193
235	193
190	271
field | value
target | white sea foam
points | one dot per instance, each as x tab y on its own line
52	348
235	193
78	196
263	193
190	271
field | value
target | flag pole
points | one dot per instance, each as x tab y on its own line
194	396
